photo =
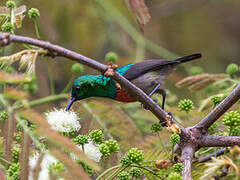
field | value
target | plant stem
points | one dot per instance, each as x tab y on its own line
24	156
46	99
3	101
9	134
107	171
147	169
31	135
124	23
69	85
83	147
50	78
161	142
12	16
172	155
97	118
117	172
4	160
36	28
140	50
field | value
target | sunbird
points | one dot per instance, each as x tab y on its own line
148	75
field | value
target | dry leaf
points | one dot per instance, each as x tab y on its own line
13	93
13	78
27	59
200	81
140	10
18	14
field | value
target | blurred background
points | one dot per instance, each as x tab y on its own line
95	27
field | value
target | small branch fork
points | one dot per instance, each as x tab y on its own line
192	138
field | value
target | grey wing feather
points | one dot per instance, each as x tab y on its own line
143	67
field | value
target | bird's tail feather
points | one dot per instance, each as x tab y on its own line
188	58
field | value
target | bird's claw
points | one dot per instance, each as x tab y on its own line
169	116
169	120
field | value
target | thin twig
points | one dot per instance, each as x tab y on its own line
209	156
6	38
220	109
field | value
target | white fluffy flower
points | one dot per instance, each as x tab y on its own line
63	121
91	150
47	161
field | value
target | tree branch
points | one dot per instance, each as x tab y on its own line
215	154
55	50
219	141
187	156
219	110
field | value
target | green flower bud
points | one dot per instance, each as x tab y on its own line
19	127
195	70
13	171
212	129
7	27
156	127
135	172
3	116
113	145
123	176
111	56
174	176
232	69
231	119
33	13
80	140
18	136
135	155
56	167
235	131
70	133
77	68
178	167
125	161
15	154
31	87
97	136
174	139
10	4
216	100
185	105
104	149
85	167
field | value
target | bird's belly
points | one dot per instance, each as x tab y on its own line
123	96
148	81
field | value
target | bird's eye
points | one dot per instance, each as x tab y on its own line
77	88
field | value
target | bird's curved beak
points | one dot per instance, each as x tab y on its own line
70	103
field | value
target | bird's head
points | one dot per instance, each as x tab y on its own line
81	89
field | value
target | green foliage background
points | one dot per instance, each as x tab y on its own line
95	27
183	27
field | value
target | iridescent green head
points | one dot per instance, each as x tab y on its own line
91	85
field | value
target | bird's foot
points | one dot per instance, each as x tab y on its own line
145	107
169	120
